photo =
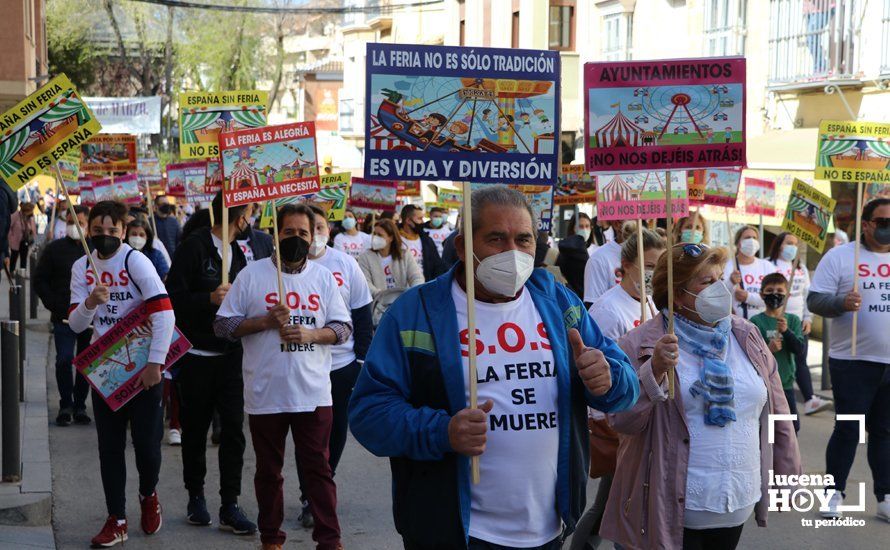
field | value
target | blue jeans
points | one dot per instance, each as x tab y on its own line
73	388
860	387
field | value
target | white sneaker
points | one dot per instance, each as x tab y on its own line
814	405
837	499
174	438
884	508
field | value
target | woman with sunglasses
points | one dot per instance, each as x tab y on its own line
746	271
691	473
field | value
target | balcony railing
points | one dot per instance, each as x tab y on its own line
885	39
813	40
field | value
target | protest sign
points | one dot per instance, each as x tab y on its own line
695	186
448	199
760	197
149	171
41	128
204	115
808	214
853	151
69	167
375	195
331	198
640	195
185	176
123	188
109	153
664	115
85	190
127	115
408	189
214	177
721	187
269	163
575	186
540	197
113	363
463	114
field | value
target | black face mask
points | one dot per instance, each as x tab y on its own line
293	250
243	234
166	209
106	245
774	301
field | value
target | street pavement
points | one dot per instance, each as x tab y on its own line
363	483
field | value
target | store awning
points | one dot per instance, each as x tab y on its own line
783	150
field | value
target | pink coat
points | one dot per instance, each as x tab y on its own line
17	228
646	502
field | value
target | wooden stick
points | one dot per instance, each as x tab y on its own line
150	204
471	313
73	216
225	231
281	298
641	260
670	270
52	219
212	221
729	242
760	236
856	263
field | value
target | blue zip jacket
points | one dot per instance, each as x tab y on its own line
412	384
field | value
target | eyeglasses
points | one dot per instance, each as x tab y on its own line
693	250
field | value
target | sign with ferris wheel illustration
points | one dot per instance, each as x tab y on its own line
664	115
482	115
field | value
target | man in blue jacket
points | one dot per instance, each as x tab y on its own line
541	362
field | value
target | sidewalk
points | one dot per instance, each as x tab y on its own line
26	506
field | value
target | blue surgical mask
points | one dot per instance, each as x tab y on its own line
348	224
789	252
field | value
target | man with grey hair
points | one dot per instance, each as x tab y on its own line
541	363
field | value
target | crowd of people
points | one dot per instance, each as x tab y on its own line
364	327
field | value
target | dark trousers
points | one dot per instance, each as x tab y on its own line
792	406
171	403
22	253
802	372
476	544
587	531
73	387
311	432
342	382
726	538
145	416
860	387
205	385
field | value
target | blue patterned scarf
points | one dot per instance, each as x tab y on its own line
715	383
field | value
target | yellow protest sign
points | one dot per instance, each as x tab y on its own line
853	151
203	115
808	214
41	129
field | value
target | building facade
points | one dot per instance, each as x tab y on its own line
23	64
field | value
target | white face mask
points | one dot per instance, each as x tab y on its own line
505	274
319	243
713	303
609	234
71	231
137	242
749	246
647	281
377	242
788	253
583	233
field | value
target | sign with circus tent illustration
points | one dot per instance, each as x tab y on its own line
113	363
214	178
721	186
109	153
575	186
331	197
481	115
149	171
269	163
204	115
38	131
69	168
664	115
808	214
373	195
185	176
85	190
760	197
123	189
853	151
408	189
640	196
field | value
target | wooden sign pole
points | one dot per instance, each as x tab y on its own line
856	263
644	299
471	312
225	233
670	269
282	299
73	216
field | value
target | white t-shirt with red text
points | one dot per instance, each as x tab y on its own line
514	504
439	235
616	312
386	264
600	272
282	377
415	248
354	245
752	277
834	275
353	289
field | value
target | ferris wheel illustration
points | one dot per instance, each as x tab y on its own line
680	107
120	364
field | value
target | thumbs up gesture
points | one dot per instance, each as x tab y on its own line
592	366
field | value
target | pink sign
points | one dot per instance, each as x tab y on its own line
186	176
664	115
377	195
760	197
640	196
119	188
721	186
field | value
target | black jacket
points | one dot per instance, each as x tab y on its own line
572	259
8	204
261	243
196	271
449	254
52	276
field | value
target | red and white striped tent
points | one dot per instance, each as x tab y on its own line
620	132
243	176
616	190
383	140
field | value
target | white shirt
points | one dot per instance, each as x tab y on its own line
514	503
834	275
800	288
616	312
600	271
353	289
386	263
752	276
246	250
439	235
60	229
724	463
354	245
284	377
415	248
